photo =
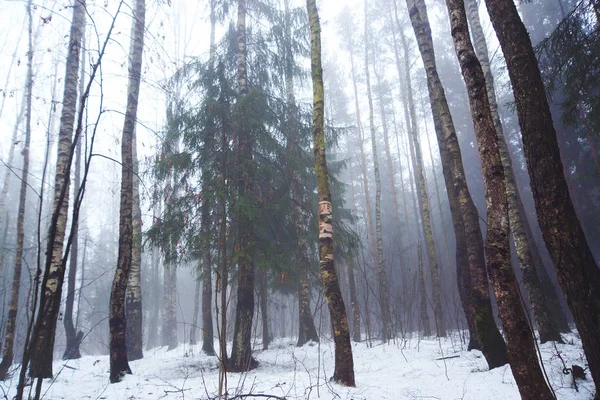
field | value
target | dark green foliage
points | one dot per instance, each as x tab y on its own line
570	64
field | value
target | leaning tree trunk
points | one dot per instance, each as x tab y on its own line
241	352
424	204
425	210
461	204
344	364
539	304
11	323
73	338
520	344
133	295
578	272
119	365
384	302
42	344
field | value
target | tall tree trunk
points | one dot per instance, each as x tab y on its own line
11	323
133	294
344	364
423	316
578	272
241	352
389	161
354	304
207	318
437	196
119	365
522	354
42	344
73	338
306	324
383	289
363	162
464	213
424	204
539	305
424	209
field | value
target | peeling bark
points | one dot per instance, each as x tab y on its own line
344	364
241	354
119	365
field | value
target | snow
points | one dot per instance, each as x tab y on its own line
404	369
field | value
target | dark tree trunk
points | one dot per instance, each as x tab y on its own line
133	294
522	354
73	337
461	204
344	363
241	352
42	345
517	218
119	365
306	325
578	272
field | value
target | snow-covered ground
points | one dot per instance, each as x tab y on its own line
409	369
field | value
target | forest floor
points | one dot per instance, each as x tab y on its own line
406	369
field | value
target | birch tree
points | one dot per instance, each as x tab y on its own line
119	365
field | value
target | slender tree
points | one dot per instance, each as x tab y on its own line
465	216
578	273
73	337
386	318
133	294
520	340
11	322
344	364
42	344
119	365
241	353
207	318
